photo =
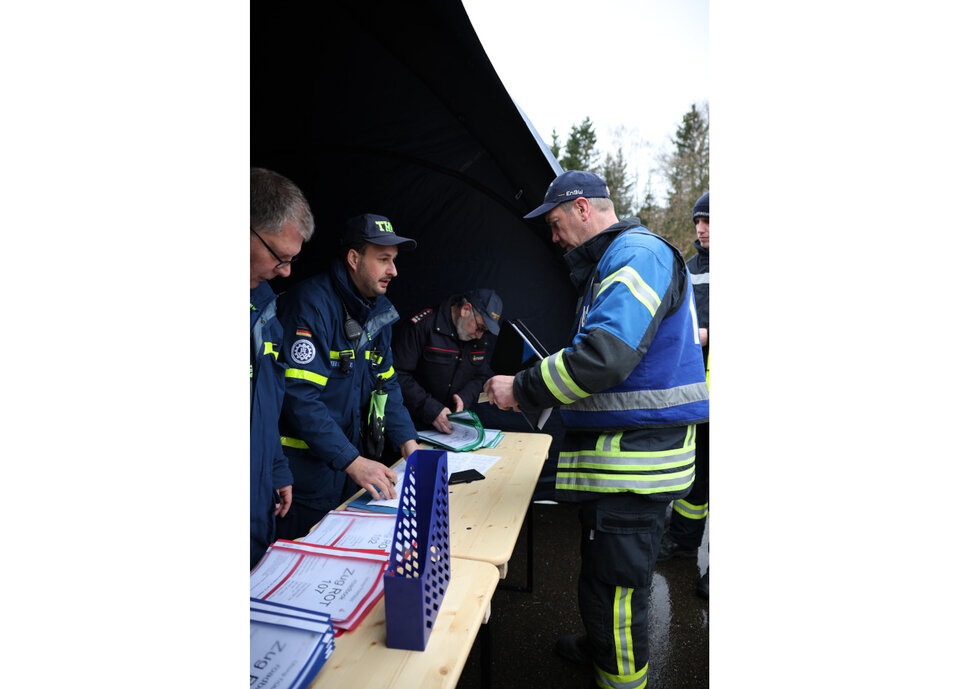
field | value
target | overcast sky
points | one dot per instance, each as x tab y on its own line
634	64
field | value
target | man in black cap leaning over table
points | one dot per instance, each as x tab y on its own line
442	356
337	336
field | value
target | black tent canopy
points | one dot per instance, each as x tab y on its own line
394	108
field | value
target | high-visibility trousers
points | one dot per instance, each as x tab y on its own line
689	516
620	537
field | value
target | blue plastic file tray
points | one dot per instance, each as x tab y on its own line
419	571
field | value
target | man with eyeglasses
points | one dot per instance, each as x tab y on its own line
280	221
442	356
337	338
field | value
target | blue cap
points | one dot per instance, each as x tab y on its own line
571	185
701	209
489	305
375	229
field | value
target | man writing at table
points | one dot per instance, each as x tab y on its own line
631	389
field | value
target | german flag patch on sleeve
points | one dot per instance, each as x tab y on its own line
303	332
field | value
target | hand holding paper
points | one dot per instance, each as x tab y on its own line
499	390
442	423
373	477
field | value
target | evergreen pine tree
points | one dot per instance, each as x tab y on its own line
581	148
687	172
614	173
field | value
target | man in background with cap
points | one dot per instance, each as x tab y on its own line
631	389
337	336
688	521
280	221
442	356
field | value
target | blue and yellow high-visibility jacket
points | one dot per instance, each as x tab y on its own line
329	383
634	366
269	469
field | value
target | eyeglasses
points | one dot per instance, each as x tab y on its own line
481	328
274	253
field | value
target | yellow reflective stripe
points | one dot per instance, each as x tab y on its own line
608	680
691	511
310	376
574	388
551	385
622	631
643	483
558	381
293	442
638	288
607	443
386	374
268	349
251	370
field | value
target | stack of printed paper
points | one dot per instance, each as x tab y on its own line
340	582
354	530
287	646
491	438
468	434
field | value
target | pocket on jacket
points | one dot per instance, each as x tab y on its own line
438	356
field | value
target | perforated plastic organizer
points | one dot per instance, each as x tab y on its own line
419	571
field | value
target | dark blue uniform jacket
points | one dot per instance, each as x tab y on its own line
268	465
329	382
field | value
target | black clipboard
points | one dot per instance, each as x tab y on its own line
517	348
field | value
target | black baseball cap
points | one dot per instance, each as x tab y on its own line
375	229
489	305
571	185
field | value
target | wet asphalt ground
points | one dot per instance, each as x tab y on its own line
523	626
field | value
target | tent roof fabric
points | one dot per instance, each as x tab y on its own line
394	108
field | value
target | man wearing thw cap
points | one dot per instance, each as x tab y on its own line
337	338
442	356
631	390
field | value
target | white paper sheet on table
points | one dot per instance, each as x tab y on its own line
365	530
461	461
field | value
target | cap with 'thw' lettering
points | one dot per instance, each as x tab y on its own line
375	229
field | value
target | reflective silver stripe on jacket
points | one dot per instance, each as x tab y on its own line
700	278
636	483
619	461
642	399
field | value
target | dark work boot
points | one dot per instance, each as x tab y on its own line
575	648
669	548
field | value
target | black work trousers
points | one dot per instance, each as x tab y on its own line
687	531
620	537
